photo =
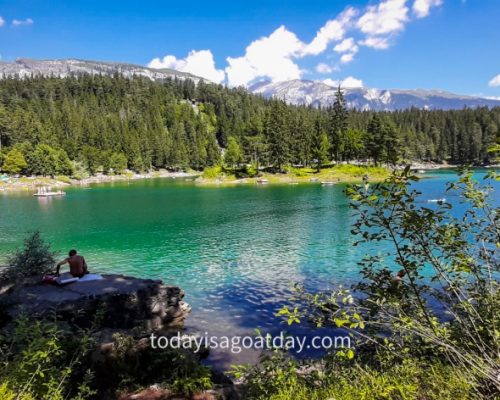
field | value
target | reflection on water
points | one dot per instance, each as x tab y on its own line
235	251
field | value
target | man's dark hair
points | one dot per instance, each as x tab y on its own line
72	253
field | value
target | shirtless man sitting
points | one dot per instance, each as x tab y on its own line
77	265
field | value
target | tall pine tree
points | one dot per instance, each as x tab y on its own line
320	144
278	135
338	124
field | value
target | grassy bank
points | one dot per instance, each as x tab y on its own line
408	380
213	176
341	173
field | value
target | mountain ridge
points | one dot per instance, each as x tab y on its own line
298	92
320	94
25	67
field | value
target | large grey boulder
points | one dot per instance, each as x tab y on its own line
116	301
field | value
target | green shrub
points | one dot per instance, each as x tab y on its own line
39	361
14	162
34	258
63	178
233	154
251	170
212	172
91	157
281	378
188	375
247	171
118	162
450	262
270	376
8	394
134	367
360	170
64	166
299	172
79	171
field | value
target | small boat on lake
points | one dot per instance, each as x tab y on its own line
328	183
47	192
262	181
443	200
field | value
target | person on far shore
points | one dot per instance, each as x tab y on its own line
400	275
77	265
396	280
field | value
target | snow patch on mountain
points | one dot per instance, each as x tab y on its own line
319	94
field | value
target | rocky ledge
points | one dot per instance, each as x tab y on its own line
121	311
119	302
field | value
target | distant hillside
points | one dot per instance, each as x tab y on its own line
53	126
24	67
320	94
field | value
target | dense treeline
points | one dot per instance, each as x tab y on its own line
100	123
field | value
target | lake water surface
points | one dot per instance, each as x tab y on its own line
234	250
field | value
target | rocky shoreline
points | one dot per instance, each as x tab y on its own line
31	183
23	184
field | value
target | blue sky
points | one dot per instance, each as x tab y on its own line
433	44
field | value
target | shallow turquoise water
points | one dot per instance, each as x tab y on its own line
234	250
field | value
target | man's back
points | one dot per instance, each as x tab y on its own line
77	265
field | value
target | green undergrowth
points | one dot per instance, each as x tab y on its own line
277	379
248	174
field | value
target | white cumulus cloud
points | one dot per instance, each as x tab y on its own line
274	56
422	8
333	30
2	21
277	56
200	63
382	21
19	22
352	82
323	68
269	57
347	45
379	43
331	82
349	48
495	81
346	58
387	17
349	82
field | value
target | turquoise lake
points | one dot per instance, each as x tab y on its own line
234	250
